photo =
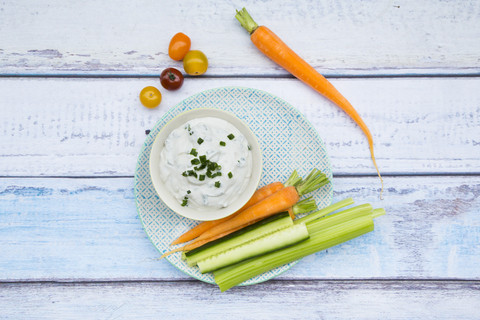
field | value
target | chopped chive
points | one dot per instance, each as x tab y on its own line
184	202
222	143
203	159
231	136
201	177
209	173
201	167
194	152
249	148
184	173
195	161
213	166
217	184
230	175
200	141
188	191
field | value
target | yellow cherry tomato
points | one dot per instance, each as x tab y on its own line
195	63
150	97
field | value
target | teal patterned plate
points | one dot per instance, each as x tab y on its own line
288	142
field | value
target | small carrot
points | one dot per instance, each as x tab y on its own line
274	48
259	195
279	201
197	243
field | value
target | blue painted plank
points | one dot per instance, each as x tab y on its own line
74	229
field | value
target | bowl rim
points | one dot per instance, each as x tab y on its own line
164	194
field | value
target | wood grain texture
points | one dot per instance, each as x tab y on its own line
193	300
96	127
336	37
71	244
87	229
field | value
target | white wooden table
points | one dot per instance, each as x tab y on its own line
71	129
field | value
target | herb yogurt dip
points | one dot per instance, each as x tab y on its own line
206	163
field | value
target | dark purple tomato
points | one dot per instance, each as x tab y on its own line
171	79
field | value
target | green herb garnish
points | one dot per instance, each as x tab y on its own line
230	175
231	136
194	152
200	141
192	173
222	143
185	201
217	184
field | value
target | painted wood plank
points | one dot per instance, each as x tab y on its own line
337	38
96	127
60	229
271	300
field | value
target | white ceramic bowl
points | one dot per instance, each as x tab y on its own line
163	191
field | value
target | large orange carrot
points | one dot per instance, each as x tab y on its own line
274	48
259	194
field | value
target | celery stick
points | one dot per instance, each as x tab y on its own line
327	210
231	276
378	212
340	217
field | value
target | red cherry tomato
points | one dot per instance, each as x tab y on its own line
179	46
150	97
171	79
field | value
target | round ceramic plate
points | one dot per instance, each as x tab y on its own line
288	142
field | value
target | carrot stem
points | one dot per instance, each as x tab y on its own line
293	180
246	20
315	179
